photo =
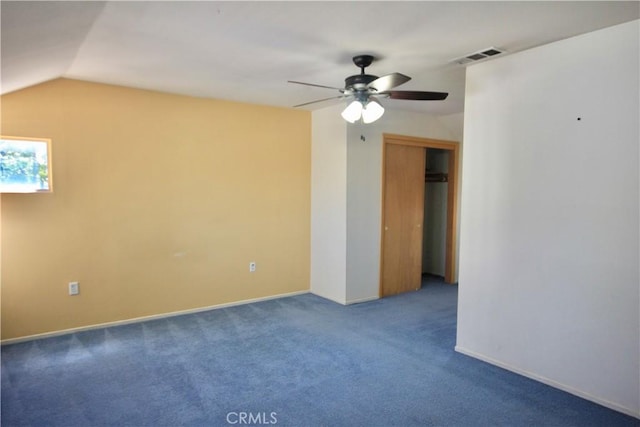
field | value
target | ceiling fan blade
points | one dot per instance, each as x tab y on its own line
384	83
320	100
415	95
314	85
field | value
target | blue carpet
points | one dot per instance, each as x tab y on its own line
298	361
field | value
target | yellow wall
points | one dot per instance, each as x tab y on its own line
159	204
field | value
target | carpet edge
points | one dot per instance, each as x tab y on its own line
146	318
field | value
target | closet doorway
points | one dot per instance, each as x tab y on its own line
403	211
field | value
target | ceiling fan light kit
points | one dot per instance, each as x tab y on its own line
372	112
364	89
353	112
369	112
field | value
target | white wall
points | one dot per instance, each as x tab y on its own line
329	204
550	209
454	124
364	193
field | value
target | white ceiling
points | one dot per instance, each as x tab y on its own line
246	51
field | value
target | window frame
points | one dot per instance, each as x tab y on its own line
49	164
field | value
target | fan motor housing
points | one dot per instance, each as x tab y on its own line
358	81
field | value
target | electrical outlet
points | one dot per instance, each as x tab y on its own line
74	288
252	267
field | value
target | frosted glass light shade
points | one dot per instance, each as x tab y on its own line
352	112
372	112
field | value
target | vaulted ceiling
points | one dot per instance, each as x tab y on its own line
246	51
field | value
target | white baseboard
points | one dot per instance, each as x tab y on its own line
350	302
358	301
146	318
549	382
336	300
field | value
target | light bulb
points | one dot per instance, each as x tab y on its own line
372	112
352	112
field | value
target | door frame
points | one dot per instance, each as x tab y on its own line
453	147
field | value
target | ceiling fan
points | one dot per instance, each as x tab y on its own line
365	89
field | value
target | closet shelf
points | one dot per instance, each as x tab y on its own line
436	177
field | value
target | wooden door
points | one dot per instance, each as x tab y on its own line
403	210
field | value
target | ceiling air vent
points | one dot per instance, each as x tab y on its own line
478	56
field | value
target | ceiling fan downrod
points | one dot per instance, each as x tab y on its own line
360	81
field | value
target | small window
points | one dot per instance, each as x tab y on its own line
25	165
